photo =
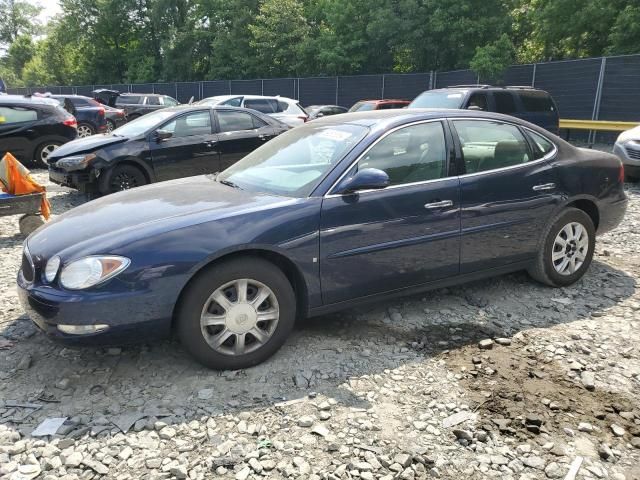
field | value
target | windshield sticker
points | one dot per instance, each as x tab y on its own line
336	135
454	95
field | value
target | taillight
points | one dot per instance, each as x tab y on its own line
621	173
70	122
101	111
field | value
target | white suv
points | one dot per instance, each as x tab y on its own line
285	109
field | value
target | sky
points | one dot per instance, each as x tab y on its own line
49	9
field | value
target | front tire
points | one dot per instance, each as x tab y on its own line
236	314
122	177
567	249
42	153
111	126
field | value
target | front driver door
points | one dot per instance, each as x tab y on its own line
404	235
508	193
239	134
191	150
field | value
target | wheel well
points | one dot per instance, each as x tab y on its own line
280	261
588	207
136	165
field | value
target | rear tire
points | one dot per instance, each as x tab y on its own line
122	177
238	330
111	126
567	249
85	130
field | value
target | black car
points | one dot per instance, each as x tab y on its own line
319	111
89	113
530	104
172	143
137	104
32	128
116	117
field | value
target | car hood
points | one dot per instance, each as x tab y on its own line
120	218
633	134
85	145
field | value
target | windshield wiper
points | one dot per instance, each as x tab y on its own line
229	184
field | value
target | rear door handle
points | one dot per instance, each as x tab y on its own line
442	204
544	186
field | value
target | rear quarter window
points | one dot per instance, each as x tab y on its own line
537	101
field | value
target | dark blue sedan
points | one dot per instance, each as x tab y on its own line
340	211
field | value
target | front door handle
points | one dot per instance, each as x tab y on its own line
442	204
544	186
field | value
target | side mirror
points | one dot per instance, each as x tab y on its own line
319	114
365	179
163	135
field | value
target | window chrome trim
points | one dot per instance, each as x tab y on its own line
393	130
511	167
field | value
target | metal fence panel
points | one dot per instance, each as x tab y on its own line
121	87
84	90
285	87
521	75
457	77
317	91
572	84
405	86
66	90
165	89
358	87
621	89
142	88
186	90
246	87
216	87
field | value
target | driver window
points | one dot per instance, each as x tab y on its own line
478	101
411	154
196	123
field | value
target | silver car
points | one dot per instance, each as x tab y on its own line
287	110
627	148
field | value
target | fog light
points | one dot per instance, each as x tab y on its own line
82	329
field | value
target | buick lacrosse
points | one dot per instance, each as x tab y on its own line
342	210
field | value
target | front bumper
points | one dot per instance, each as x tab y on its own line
131	316
629	153
85	181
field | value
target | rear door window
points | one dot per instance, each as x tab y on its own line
505	103
489	145
231	121
260	104
534	101
128	100
17	114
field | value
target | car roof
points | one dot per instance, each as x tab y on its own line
129	94
26	100
466	88
251	97
387	118
386	100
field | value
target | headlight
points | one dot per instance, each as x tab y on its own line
75	162
51	270
90	271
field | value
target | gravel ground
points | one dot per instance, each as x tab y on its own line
502	378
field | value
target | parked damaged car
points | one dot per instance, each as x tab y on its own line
342	210
170	143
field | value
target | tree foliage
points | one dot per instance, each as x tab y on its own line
123	41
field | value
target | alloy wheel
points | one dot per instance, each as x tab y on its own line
239	317
110	126
570	248
46	151
84	131
123	181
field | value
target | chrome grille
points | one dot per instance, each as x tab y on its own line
27	266
633	153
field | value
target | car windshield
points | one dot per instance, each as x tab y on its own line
143	124
450	99
362	107
295	162
209	101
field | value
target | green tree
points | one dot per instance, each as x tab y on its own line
491	61
17	17
625	34
278	32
